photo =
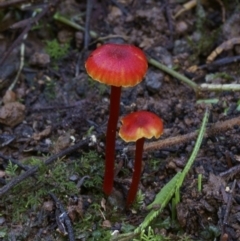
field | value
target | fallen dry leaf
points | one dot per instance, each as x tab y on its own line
46	132
63	141
213	186
9	96
103	204
106	224
75	209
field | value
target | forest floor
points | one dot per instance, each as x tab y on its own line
53	120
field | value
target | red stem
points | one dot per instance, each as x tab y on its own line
110	139
137	171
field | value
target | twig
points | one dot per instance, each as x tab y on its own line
101	39
20	24
26	29
66	21
81	181
15	43
229	204
58	108
221	62
64	217
32	170
231	172
227	45
223	10
22	52
213	130
197	88
168	15
219	87
11	2
87	23
173	73
186	7
15	162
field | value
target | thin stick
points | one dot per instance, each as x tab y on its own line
173	73
168	15
230	172
26	29
219	87
64	217
221	62
60	107
87	23
32	170
229	205
11	2
13	161
22	52
187	81
66	21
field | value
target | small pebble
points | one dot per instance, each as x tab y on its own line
154	81
181	46
48	206
39	59
73	178
163	56
171	165
181	27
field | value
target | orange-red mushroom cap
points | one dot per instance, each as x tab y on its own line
140	124
117	65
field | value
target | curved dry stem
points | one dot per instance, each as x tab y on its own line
216	128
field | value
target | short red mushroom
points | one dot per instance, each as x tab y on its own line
135	128
118	65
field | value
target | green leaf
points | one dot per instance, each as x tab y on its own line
194	153
161	199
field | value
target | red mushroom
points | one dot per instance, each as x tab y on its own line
118	65
136	127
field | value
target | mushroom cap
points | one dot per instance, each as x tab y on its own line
117	64
140	124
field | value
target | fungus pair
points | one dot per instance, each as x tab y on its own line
118	66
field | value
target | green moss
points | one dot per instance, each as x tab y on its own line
55	179
56	50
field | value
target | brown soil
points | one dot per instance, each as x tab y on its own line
53	105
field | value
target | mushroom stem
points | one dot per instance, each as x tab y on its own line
110	139
137	171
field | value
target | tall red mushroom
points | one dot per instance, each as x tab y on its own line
118	65
136	127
